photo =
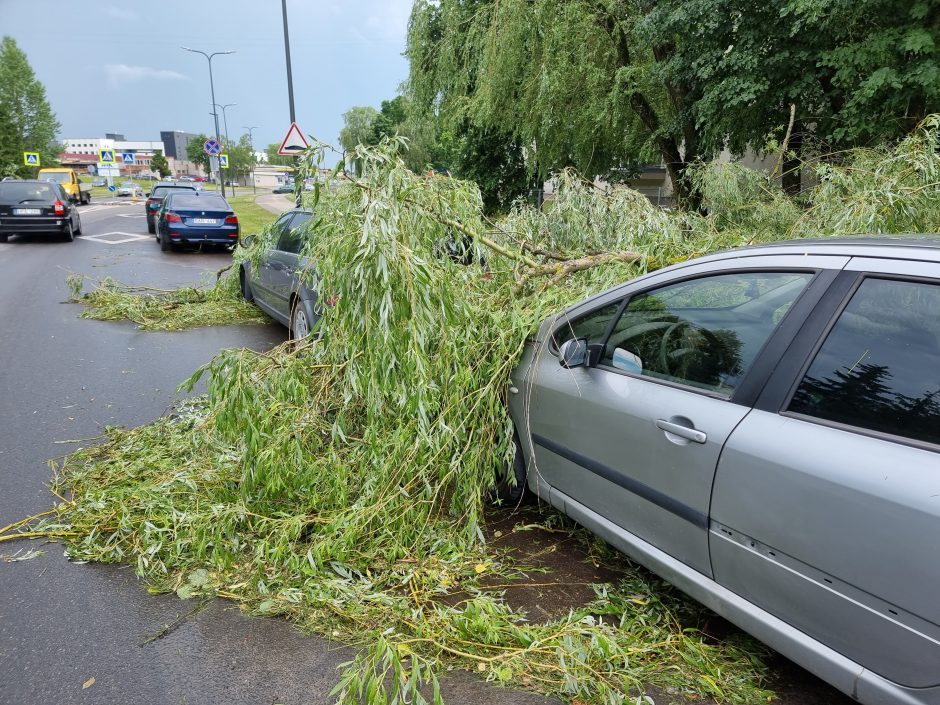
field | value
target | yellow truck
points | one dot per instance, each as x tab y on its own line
78	192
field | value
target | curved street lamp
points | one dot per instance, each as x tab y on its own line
212	88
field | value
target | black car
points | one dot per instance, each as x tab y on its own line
155	200
37	207
196	218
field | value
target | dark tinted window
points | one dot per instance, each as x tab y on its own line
291	239
879	367
161	191
193	202
17	191
704	332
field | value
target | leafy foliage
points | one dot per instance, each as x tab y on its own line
196	153
340	482
160	163
27	123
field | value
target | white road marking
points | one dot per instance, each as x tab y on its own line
128	215
104	239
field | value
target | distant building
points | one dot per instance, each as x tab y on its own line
175	143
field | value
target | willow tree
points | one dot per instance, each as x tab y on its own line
569	80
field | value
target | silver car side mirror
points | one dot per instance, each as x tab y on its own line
573	353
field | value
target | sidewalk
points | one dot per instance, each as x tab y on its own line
275	202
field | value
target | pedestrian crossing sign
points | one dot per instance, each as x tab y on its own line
223	161
106	156
31	158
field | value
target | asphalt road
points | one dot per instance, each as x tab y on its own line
64	378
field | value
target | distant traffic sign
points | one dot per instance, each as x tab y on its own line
112	188
106	156
31	158
212	146
127	157
223	161
294	141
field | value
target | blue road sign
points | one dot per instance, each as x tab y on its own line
106	156
223	161
128	157
31	158
112	188
212	146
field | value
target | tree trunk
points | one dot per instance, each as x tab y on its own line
792	179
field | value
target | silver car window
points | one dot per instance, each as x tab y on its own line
704	332
879	367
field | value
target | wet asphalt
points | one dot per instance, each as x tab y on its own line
63	379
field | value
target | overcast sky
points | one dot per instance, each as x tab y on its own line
118	67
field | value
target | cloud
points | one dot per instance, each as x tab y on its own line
389	20
121	74
119	13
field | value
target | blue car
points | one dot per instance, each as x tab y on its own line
196	218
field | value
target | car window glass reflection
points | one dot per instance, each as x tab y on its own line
879	367
704	333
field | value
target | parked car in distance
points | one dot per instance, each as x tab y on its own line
282	285
284	188
186	177
155	198
28	207
99	181
129	188
191	218
198	179
761	427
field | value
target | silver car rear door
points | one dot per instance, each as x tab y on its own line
826	505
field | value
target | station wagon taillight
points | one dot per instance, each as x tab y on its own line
59	208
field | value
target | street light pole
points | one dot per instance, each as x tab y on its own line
290	79
212	88
227	142
251	143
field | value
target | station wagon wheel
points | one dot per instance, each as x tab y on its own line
511	481
70	233
247	293
299	324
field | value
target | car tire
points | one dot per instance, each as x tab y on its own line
4	237
78	230
69	235
151	227
247	293
165	244
511	488
299	324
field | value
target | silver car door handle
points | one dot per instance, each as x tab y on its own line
675	429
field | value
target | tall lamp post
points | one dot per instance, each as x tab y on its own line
251	143
212	88
225	117
227	143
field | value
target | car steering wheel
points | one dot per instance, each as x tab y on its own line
670	359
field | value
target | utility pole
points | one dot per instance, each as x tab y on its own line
290	79
290	89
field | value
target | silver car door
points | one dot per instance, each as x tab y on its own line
283	265
826	505
636	439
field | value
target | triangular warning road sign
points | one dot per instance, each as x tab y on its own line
294	142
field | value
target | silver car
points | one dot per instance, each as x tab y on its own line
276	286
761	428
